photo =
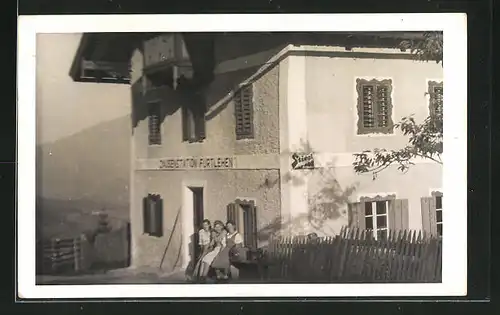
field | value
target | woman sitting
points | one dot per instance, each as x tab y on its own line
222	262
204	240
218	242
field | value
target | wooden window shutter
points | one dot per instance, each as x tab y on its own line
154	123
398	215
435	98
382	106
152	213
357	212
368	115
250	229
200	122
185	124
157	224
243	108
428	210
232	212
145	215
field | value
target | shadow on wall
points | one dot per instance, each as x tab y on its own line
327	203
219	95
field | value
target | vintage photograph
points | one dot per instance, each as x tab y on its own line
239	157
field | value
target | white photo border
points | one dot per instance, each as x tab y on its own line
454	27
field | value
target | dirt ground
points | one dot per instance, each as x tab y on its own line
115	277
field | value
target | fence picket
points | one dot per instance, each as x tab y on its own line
355	256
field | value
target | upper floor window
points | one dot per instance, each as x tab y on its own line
193	123
436	99
158	77
243	110
154	116
374	106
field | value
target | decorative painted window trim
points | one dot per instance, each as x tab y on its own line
376	84
436	193
377	197
432	85
246	201
239	112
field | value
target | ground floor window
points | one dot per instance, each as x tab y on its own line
376	218
244	214
432	214
379	215
152	215
438	201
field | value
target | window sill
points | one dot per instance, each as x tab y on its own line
194	141
154	145
246	139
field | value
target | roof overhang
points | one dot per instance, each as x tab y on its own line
104	57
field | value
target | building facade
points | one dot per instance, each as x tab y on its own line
261	129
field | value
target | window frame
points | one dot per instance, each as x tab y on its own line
238	96
159	124
376	83
389	200
439	223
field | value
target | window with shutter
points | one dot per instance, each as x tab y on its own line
438	208
244	214
154	116
243	109
435	99
153	215
193	112
193	124
374	106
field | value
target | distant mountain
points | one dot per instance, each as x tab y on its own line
84	173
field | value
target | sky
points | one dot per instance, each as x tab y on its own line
65	107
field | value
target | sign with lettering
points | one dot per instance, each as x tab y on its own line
302	161
197	163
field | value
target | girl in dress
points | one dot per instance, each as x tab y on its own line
204	240
218	242
222	262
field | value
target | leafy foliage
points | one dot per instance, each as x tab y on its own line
428	49
425	139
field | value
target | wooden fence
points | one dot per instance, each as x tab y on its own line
355	256
78	255
63	255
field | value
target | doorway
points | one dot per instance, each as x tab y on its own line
198	216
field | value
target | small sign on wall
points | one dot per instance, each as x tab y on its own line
197	163
302	161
